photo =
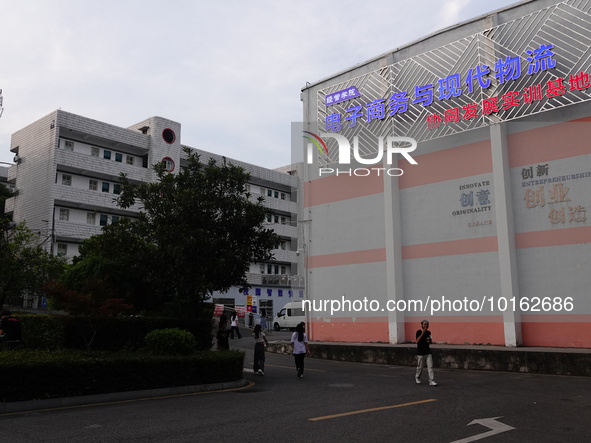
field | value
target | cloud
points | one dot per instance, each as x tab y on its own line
229	71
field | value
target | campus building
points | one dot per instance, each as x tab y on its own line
65	180
451	180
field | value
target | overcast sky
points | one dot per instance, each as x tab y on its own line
230	71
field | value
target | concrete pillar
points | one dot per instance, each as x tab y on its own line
393	243
505	233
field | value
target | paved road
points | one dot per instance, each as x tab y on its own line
335	401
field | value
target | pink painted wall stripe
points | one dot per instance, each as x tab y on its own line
347	258
331	189
553	142
453	247
553	237
448	164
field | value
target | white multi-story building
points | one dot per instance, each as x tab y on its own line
65	182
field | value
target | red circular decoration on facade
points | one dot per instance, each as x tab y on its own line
169	164
169	136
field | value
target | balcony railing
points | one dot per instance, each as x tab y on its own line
276	280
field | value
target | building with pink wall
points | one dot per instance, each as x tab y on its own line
487	235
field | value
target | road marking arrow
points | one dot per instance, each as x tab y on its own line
496	427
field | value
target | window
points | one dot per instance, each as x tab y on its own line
129	160
91	218
269	193
106	187
115	218
282	220
118	157
283	196
269	218
276	194
168	164
117	188
62	249
272	269
276	219
262	269
107	154
104	218
64	214
69	145
169	136
66	179
283	270
94	151
92	185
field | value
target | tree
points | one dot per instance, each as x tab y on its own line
24	265
94	306
121	259
197	233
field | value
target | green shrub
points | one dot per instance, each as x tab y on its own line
28	375
41	331
171	341
115	334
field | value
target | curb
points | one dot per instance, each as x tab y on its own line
573	362
84	400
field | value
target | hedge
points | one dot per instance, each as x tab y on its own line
113	334
28	374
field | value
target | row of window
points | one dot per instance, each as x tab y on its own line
93	184
273	218
64	215
274	194
96	152
273	269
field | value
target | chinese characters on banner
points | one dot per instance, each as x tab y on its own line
539	60
1	103
270	292
554	194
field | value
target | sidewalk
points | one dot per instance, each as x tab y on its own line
555	361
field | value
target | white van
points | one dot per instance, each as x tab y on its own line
289	316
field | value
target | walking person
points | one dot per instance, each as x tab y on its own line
260	341
424	339
300	348
234	326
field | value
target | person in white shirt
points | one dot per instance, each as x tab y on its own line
234	326
300	348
